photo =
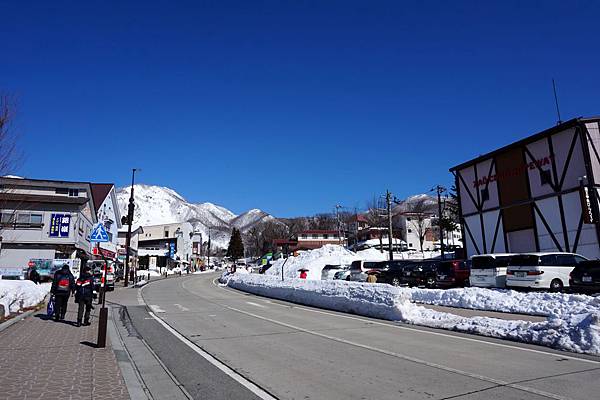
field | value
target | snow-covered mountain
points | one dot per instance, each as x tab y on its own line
160	205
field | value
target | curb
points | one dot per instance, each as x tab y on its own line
16	319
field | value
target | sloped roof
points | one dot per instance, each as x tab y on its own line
99	193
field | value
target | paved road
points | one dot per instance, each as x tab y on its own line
297	352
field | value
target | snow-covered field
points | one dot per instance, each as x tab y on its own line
16	295
576	329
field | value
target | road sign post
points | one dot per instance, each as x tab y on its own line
99	235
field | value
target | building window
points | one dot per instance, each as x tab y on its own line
21	220
304	236
545	177
410	245
485	194
166	234
61	191
325	236
73	192
409	230
315	236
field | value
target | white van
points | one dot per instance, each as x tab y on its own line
542	270
359	268
489	270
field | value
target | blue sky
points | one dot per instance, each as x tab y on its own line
291	107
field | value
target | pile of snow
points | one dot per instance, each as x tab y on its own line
313	261
577	332
16	295
145	272
555	305
371	254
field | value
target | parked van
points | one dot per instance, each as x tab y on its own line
489	270
359	268
542	270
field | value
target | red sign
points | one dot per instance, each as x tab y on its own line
513	171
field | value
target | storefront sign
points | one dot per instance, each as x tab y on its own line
507	173
586	205
59	225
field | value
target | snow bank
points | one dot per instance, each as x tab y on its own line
534	303
16	295
313	261
577	332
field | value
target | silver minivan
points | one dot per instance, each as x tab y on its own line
489	270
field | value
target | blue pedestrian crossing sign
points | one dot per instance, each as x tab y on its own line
99	234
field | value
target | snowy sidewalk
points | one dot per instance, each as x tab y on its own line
43	359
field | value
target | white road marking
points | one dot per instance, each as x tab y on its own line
391	324
139	297
255	304
182	308
156	308
409	358
228	371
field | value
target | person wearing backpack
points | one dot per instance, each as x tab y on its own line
62	286
84	293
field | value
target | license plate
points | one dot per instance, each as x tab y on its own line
520	274
586	279
441	276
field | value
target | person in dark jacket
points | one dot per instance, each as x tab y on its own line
62	286
84	293
34	276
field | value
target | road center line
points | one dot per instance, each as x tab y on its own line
256	304
409	358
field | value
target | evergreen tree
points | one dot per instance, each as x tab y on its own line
235	249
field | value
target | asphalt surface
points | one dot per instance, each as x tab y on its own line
298	352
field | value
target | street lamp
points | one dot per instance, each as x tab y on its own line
130	209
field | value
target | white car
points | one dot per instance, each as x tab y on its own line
359	268
489	270
329	271
542	270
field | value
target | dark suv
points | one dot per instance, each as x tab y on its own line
420	273
585	277
393	273
453	273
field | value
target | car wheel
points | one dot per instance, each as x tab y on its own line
395	281
556	285
430	282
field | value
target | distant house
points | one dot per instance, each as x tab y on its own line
107	211
316	238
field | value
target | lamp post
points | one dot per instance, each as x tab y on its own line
208	262
130	208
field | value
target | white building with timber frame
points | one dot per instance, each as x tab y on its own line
537	194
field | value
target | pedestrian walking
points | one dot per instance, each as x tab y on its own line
303	273
84	293
34	276
63	284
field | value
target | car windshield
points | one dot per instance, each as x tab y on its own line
374	265
446	267
486	262
524	260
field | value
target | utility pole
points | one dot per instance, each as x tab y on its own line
439	189
208	263
388	200
337	217
130	209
